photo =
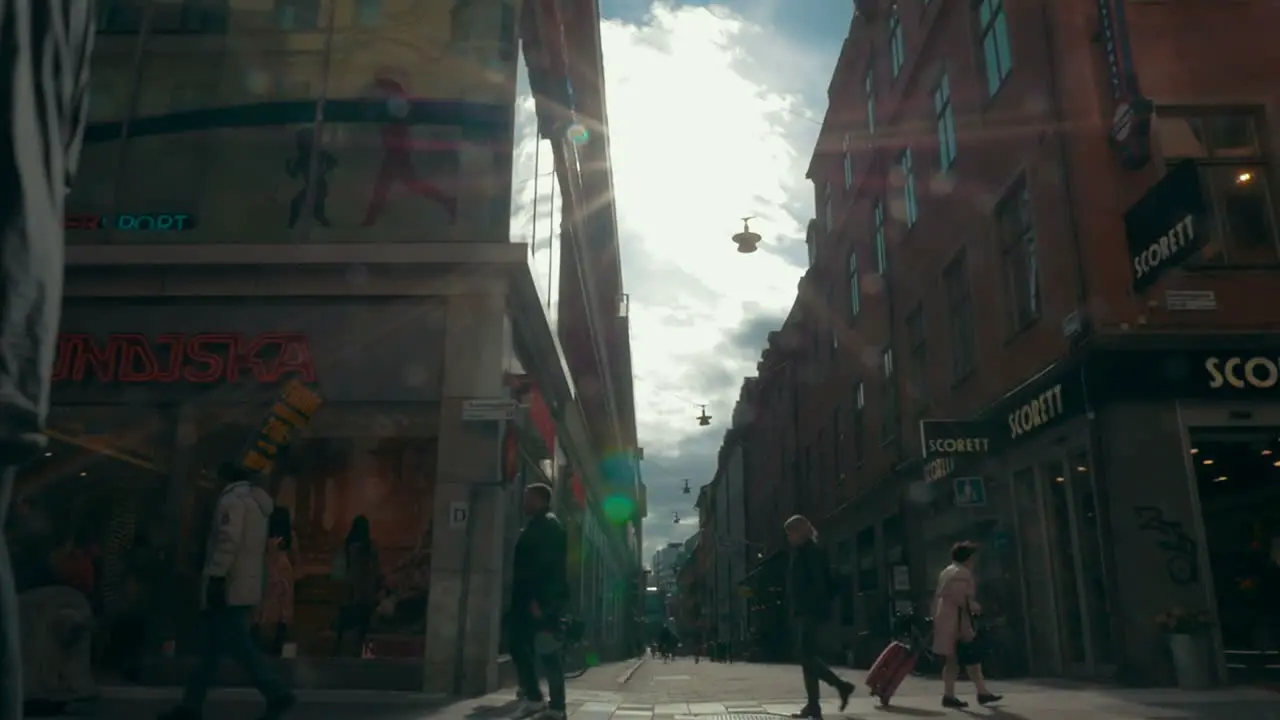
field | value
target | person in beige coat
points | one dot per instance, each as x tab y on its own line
233	582
954	608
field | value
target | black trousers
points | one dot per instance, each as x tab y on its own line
809	635
524	643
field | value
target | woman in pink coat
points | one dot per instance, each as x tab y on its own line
953	622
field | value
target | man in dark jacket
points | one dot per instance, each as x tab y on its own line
809	592
44	87
539	592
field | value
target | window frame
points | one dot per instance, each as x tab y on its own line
944	116
847	157
880	235
1210	164
897	45
906	163
855	284
993	40
869	92
1019	255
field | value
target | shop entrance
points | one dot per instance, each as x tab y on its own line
1237	476
1063	572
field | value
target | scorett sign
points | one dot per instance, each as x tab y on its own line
949	438
1165	228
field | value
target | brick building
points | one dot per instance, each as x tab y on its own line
1049	225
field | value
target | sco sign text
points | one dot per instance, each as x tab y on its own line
1241	373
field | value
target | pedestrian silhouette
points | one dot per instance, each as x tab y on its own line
397	158
300	167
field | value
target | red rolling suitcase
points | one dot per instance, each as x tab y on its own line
895	663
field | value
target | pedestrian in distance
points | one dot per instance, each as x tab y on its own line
810	591
539	594
233	580
44	99
955	636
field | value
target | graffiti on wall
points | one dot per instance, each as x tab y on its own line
1180	549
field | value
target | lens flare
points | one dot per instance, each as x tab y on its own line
578	134
618	509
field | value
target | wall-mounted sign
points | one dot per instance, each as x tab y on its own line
969	492
1242	372
945	438
292	412
459	513
179	357
1131	112
1165	227
138	222
939	468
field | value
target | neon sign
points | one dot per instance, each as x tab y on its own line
202	358
135	222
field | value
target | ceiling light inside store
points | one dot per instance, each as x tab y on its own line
1207	461
1195	450
83	474
1220	478
1059	479
1276	463
1081	468
1244	177
1266	452
49	454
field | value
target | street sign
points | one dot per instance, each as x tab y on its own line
488	409
459	513
970	492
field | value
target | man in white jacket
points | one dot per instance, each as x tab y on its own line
233	580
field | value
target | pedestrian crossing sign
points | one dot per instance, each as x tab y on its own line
970	492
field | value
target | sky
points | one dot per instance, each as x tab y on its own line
713	111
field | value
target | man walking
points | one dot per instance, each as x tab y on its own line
810	589
233	582
539	592
44	84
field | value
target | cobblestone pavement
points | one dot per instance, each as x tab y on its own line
683	690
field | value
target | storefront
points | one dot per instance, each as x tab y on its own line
1133	479
150	398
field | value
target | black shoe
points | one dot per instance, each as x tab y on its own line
808	712
988	698
845	690
954	703
278	707
179	713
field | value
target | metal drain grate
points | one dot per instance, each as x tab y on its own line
742	716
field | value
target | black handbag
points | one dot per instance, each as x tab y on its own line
969	652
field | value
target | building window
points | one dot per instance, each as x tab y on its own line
955	277
1233	175
882	249
848	162
946	119
896	50
919	354
369	13
859	406
828	217
870	86
996	53
1018	249
889	413
907	165
855	290
298	14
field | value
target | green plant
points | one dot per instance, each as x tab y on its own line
1182	622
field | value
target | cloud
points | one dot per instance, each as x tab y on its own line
712	117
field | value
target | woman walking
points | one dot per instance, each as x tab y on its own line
954	636
363	580
275	614
810	589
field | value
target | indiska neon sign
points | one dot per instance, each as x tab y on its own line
137	222
174	357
